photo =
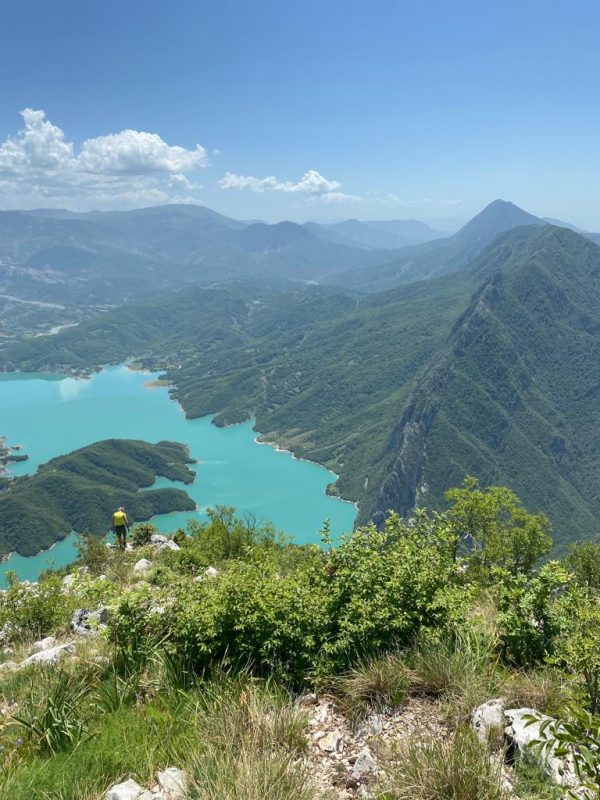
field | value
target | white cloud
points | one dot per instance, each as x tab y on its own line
39	166
311	183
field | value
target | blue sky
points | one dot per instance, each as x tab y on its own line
302	110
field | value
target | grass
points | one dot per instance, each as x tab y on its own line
253	740
428	769
376	683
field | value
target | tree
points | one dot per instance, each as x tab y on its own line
494	529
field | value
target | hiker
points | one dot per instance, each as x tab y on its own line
120	525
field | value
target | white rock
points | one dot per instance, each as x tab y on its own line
88	623
43	644
172	783
50	656
8	666
487	719
364	765
211	572
169	544
522	734
333	742
142	566
158	538
128	790
68	580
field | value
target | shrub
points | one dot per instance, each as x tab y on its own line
142	533
93	553
584	563
32	611
429	769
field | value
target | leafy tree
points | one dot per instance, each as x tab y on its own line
584	563
494	529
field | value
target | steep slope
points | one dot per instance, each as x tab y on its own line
441	256
513	396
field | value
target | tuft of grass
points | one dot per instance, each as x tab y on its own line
252	739
373	684
546	690
442	667
428	769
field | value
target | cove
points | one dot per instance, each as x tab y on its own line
50	416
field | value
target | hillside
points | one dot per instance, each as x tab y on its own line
79	492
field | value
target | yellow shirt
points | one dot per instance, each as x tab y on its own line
119	519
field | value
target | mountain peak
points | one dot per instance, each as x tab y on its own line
497	217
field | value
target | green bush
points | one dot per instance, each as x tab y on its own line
35	610
142	533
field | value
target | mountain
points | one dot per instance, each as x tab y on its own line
441	256
107	258
382	234
513	394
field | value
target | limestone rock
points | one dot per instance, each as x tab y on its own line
8	666
172	783
68	581
521	734
50	656
88	623
487	719
142	566
43	644
128	790
158	538
169	544
364	766
332	742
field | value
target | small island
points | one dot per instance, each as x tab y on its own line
80	490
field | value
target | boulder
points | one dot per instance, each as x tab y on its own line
172	783
87	623
521	735
488	719
142	566
50	656
211	572
128	790
158	538
43	644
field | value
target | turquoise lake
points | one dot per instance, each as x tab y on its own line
50	416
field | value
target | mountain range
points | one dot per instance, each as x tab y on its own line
486	364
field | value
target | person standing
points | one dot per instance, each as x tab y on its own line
120	525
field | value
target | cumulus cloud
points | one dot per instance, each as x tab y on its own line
39	166
312	183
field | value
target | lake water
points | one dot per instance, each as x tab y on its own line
51	416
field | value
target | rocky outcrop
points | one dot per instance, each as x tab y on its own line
89	623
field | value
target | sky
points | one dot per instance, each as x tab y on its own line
302	110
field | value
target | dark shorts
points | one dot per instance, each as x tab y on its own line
120	530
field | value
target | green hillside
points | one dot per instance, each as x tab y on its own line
79	491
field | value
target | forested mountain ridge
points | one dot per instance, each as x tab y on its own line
513	395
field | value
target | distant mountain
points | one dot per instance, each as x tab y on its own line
382	234
101	258
439	257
